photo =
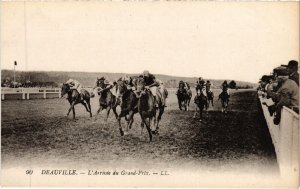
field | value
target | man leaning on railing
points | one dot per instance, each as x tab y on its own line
284	92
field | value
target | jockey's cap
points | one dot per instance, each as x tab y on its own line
146	73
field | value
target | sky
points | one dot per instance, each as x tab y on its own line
215	40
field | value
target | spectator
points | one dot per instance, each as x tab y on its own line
292	69
286	93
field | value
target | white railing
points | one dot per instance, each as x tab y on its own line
25	92
285	137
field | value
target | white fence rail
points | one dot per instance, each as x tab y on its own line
285	137
26	92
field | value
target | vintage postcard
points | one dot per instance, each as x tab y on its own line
149	94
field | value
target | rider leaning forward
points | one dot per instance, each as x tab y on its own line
74	84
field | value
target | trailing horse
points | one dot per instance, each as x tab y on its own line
146	107
107	100
210	97
128	104
184	97
201	103
74	97
224	96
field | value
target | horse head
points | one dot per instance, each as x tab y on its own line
100	83
140	85
65	88
121	86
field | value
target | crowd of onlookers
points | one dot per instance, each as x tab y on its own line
282	86
27	84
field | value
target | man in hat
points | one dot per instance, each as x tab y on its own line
287	93
292	69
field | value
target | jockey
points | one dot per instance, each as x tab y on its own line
200	85
127	80
208	85
225	87
187	86
107	85
74	84
152	84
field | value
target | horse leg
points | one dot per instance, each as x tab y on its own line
179	104
188	104
115	111
142	127
89	106
107	113
119	121
195	112
73	112
160	113
201	111
130	119
98	111
148	128
71	107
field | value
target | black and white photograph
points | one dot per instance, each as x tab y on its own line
157	94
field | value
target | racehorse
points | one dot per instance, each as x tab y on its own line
184	97
107	100
128	104
210	97
201	103
146	107
74	97
224	96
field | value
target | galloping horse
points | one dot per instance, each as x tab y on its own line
224	96
74	97
210	97
184	97
107	100
128	104
201	103
146	107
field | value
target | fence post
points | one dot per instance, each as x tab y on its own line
2	97
45	93
28	96
23	95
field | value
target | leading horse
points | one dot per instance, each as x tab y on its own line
146	106
74	97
